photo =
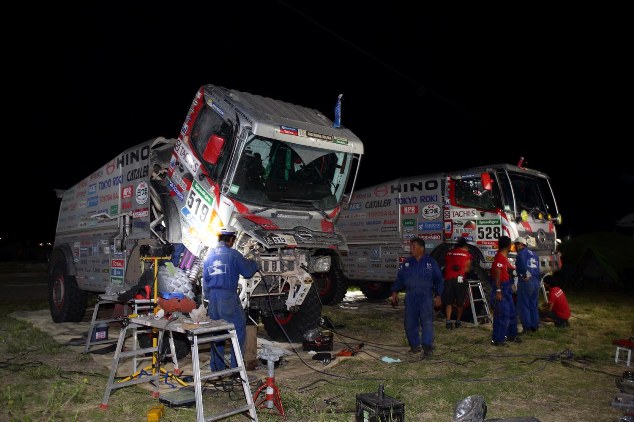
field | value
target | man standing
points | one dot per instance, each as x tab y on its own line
504	314
221	271
420	277
457	264
528	275
557	309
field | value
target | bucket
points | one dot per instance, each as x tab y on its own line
100	332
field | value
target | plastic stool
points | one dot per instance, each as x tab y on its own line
617	355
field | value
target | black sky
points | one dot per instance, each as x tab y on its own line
426	91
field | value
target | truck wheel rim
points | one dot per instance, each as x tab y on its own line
58	291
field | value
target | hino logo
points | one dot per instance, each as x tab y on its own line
414	186
134	156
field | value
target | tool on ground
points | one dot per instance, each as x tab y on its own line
349	351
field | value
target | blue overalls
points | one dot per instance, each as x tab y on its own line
221	271
528	288
419	279
504	314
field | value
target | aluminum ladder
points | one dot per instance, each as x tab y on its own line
217	330
486	316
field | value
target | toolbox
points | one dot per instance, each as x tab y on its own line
321	343
379	407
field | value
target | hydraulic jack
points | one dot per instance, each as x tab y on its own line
272	397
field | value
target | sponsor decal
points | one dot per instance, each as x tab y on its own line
388	229
135	156
117	272
407	200
117	263
126	192
319	136
186	157
409	222
142	193
109	197
361	195
385	213
493	243
137	173
110	167
373	222
409	209
414	186
215	107
431	212
434	236
114	209
380	191
394	221
176	191
462	213
140	224
355	206
93	201
140	213
378	204
428	198
430	226
489	222
339	140
287	130
92	188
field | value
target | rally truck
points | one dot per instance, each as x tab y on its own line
480	204
275	171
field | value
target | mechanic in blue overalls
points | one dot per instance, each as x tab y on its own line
528	285
504	313
221	271
420	276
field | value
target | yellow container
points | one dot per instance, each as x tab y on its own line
155	413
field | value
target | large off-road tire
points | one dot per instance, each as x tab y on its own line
297	323
181	344
332	285
66	300
179	282
376	290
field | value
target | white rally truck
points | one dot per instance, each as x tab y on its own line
480	204
275	171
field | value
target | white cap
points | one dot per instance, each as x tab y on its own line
227	230
521	240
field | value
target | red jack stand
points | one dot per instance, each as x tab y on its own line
272	397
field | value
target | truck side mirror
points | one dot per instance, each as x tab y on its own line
213	148
487	182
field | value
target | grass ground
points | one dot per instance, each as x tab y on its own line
555	375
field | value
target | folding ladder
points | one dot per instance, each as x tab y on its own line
217	330
486	316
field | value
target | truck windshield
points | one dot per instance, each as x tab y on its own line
271	172
532	194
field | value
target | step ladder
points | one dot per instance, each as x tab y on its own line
486	316
217	330
137	305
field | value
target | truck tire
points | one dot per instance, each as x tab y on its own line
295	324
179	282
332	285
376	290
67	302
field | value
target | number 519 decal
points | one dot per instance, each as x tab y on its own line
198	206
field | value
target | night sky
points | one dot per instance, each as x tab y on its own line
426	91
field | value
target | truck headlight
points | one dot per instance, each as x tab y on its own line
319	264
